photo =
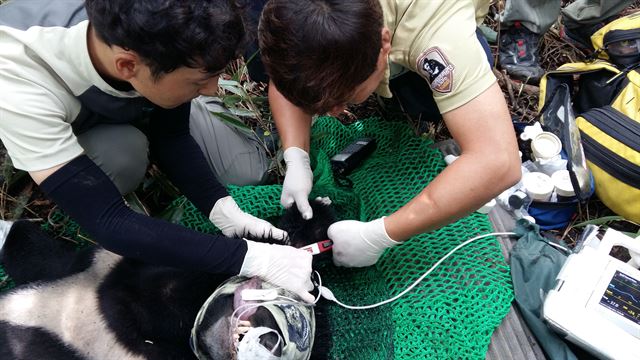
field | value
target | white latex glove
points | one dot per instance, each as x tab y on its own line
283	266
357	243
228	217
297	181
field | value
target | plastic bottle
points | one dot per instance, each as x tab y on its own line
515	199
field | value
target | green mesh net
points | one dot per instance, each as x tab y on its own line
5	280
452	313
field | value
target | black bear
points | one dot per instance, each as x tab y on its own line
94	304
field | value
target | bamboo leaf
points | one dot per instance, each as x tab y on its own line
227	82
244	112
231	100
233	120
600	221
232	86
258	99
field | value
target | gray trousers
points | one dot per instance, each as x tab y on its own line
539	15
236	156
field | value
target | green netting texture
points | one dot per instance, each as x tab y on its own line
449	315
453	312
5	280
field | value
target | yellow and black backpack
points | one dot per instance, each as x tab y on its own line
605	95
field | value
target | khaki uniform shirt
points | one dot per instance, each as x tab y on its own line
437	39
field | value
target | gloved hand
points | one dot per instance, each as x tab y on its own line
297	181
357	243
283	266
228	217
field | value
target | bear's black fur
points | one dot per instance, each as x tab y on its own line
147	311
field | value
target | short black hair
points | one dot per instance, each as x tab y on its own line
168	34
317	52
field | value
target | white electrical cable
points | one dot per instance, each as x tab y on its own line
328	294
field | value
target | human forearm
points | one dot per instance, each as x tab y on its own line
84	192
460	189
181	159
294	125
489	163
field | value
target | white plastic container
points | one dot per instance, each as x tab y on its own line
538	186
546	146
562	184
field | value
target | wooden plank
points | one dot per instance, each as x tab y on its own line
512	339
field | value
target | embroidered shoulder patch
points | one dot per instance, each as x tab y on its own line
434	66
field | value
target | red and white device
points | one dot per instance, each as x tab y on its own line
319	247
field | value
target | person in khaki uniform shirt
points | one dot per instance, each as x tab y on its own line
322	55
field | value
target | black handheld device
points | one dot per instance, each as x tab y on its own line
352	155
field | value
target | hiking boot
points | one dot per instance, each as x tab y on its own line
519	53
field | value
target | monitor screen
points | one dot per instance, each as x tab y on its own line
622	296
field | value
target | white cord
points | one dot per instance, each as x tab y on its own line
328	294
559	247
319	287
